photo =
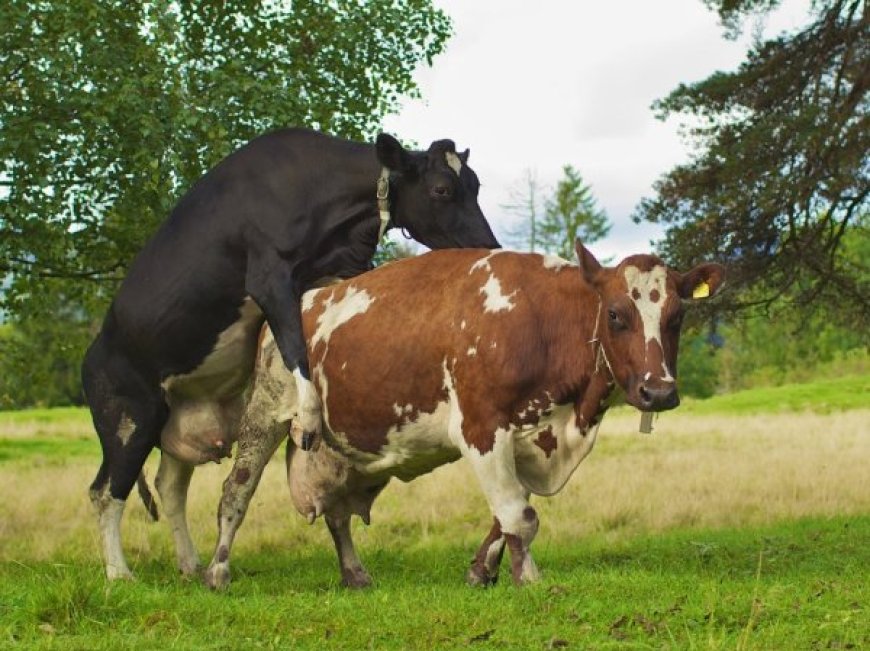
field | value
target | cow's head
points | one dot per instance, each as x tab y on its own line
639	317
434	195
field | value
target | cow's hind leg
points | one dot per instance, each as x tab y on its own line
353	574
256	446
128	413
173	481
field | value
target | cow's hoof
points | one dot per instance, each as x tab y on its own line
118	573
355	578
217	576
308	439
479	578
190	571
189	566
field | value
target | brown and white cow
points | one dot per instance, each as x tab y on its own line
506	359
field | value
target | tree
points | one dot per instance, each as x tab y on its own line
524	204
571	213
110	110
568	213
780	176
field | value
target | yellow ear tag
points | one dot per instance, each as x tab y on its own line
701	291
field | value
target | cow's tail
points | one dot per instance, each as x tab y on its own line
147	497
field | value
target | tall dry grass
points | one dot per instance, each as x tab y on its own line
693	471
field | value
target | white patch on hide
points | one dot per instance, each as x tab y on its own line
494	299
335	314
308	299
126	427
643	284
483	263
555	262
453	162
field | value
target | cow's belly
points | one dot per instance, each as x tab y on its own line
205	404
411	449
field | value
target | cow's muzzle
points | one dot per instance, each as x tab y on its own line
657	397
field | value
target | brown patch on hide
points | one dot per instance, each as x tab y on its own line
242	475
546	441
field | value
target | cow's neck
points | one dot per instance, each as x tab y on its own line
351	220
549	454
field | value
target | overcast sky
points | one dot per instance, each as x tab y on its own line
541	84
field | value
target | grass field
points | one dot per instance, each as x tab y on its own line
742	523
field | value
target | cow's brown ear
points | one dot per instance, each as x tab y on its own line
703	281
589	266
392	155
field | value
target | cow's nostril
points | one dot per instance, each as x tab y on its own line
644	394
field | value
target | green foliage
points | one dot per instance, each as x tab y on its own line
569	212
111	110
782	345
390	250
792	585
698	375
780	177
40	353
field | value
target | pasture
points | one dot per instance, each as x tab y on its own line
742	522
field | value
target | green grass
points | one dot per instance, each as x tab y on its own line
793	585
823	396
75	417
48	449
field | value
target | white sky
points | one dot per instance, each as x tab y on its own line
541	84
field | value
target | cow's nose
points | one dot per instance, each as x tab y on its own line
658	397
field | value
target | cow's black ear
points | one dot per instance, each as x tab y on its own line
464	156
589	266
392	155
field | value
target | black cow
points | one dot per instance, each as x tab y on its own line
242	246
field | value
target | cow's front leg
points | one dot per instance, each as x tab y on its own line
485	564
256	446
173	480
516	522
278	295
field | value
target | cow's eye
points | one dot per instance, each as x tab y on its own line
614	320
442	191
